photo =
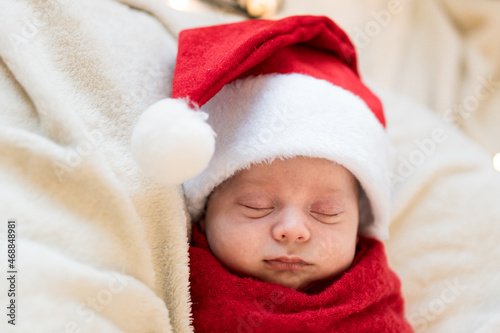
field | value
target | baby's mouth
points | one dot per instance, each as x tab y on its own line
287	264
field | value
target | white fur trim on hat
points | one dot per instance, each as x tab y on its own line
286	115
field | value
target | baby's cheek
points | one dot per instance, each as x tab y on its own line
230	251
344	256
335	258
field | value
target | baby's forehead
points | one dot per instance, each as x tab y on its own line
315	174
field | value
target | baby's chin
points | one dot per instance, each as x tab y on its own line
294	282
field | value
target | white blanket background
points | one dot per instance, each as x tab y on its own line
102	249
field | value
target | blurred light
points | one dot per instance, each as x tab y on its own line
496	162
258	8
180	4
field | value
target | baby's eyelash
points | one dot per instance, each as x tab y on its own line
257	208
326	215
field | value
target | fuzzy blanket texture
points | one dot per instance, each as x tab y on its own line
100	248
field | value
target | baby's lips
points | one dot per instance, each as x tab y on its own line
288	259
285	263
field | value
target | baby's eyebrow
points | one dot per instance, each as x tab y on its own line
253	181
332	190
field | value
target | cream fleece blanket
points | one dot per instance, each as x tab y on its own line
102	249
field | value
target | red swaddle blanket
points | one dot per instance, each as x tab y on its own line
365	298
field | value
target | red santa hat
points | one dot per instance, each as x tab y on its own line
271	89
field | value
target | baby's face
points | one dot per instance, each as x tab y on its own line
292	222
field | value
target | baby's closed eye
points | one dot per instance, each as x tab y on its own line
331	218
326	211
255	206
326	214
256	211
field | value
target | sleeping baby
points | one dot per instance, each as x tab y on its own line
290	212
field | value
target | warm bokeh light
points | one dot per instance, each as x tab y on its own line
180	4
496	162
262	7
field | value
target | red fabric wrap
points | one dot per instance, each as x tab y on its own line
366	298
210	57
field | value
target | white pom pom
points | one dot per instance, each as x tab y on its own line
171	142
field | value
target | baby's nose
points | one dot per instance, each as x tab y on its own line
291	227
